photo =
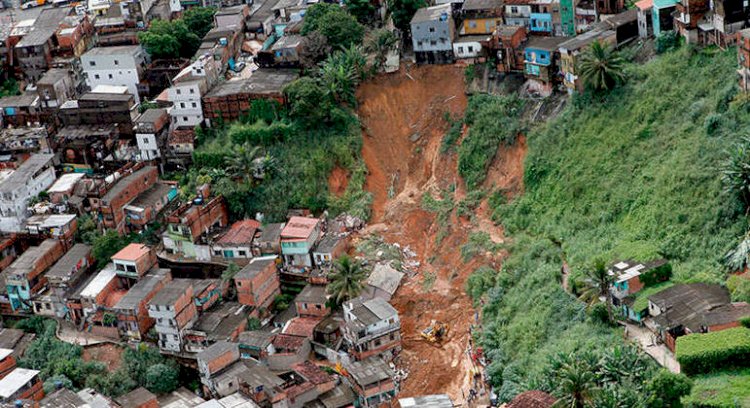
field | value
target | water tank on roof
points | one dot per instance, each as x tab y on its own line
223	41
443	16
198	201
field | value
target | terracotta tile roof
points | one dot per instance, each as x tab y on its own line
181	136
132	252
532	399
312	373
299	227
302	326
644	4
240	233
288	342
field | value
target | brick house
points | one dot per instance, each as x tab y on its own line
222	323
111	206
24	278
133	320
258	283
7	362
312	301
63	277
174	310
134	260
138	398
21	384
213	360
371	328
190	224
236	244
298	238
372	381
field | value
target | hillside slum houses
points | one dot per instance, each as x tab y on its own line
223	327
237	330
542	39
643	293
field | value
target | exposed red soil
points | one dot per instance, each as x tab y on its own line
395	109
338	181
107	353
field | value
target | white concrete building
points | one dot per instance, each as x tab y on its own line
31	178
119	66
188	88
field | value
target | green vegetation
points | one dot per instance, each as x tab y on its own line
347	279
641	298
442	207
340	28
402	12
62	362
178	38
493	121
720	390
602	68
454	133
706	352
625	174
9	88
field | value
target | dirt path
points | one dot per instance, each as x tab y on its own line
403	119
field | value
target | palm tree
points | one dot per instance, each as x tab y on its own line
245	163
601	67
735	172
736	259
597	285
575	384
346	282
381	42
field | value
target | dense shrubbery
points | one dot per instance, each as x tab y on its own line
61	362
494	121
706	352
656	275
629	176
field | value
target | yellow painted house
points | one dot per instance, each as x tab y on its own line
481	16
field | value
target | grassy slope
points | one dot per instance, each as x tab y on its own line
635	176
721	390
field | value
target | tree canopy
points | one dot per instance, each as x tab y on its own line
402	12
170	39
602	68
340	28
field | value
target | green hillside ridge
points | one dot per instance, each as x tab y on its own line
632	175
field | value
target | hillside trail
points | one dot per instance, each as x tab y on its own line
403	123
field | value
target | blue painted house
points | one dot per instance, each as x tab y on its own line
540	66
24	278
661	15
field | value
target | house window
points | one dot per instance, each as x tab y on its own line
433	43
217	252
514	10
432	29
243	253
182	105
472	24
460	50
92	63
110	76
184	118
178	91
471	48
145	140
195	105
192	91
319	307
96	76
117	62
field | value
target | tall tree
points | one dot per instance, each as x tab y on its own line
601	67
381	42
346	281
402	12
576	385
597	284
314	49
363	10
735	172
245	163
340	28
199	20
